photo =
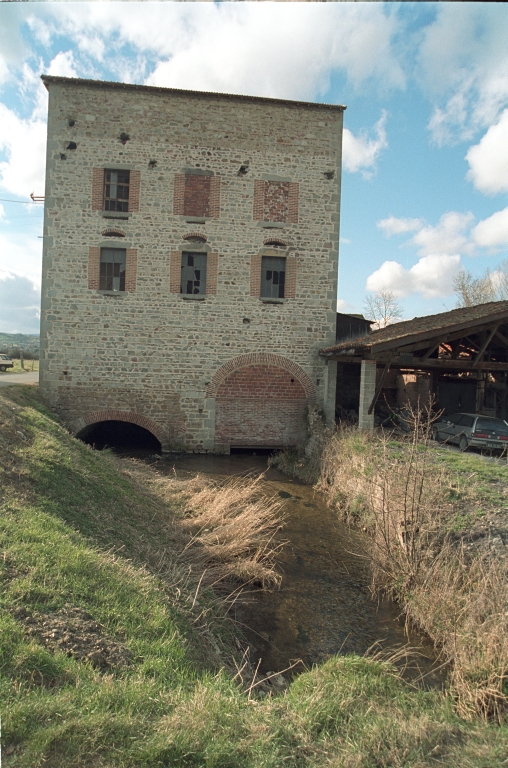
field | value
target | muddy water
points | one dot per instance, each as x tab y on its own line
324	606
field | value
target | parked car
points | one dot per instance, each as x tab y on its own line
5	362
472	430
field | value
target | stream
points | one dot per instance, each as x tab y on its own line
324	606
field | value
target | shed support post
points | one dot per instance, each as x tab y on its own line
367	392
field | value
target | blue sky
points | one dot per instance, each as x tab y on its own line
425	178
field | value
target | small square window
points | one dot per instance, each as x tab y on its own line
273	277
112	272
116	190
193	273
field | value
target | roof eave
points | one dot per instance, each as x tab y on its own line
48	79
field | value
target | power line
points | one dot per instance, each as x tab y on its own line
3	200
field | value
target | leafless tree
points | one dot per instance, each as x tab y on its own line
491	286
383	307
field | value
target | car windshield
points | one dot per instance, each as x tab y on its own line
489	425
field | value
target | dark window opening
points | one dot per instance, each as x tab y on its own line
112	272
71	145
254	450
116	190
122	436
273	277
193	273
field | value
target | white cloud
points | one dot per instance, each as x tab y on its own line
361	153
447	237
273	49
343	306
12	46
63	65
488	160
21	253
24	142
432	276
19	304
394	226
464	67
493	231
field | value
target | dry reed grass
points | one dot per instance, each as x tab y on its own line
230	529
398	494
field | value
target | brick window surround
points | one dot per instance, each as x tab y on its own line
98	189
94	268
196	195
175	271
255	272
275	201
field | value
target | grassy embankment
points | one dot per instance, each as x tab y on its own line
437	520
114	652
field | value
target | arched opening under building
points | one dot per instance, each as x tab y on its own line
260	406
121	436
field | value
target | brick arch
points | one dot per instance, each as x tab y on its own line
275	241
113	232
261	358
197	237
94	417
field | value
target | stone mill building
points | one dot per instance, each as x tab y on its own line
190	262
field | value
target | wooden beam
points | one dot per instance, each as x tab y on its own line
431	351
502	337
452	365
485	345
472	342
379	387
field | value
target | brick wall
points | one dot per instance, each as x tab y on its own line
131	268
196	195
134	190
212	270
175	272
94	268
275	201
255	274
260	405
98	189
290	285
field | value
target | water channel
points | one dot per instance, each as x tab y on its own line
324	606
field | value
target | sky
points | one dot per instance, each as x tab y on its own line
425	146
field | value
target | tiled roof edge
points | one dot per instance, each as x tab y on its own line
48	79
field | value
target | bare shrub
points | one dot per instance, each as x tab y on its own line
397	492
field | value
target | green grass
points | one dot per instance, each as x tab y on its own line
77	531
29	365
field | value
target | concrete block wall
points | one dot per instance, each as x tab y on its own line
149	350
367	392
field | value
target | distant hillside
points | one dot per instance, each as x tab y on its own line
28	341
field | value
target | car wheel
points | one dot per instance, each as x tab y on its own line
463	444
3	368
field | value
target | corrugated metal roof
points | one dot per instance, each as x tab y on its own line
48	79
423	326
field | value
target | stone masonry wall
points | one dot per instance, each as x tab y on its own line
149	350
